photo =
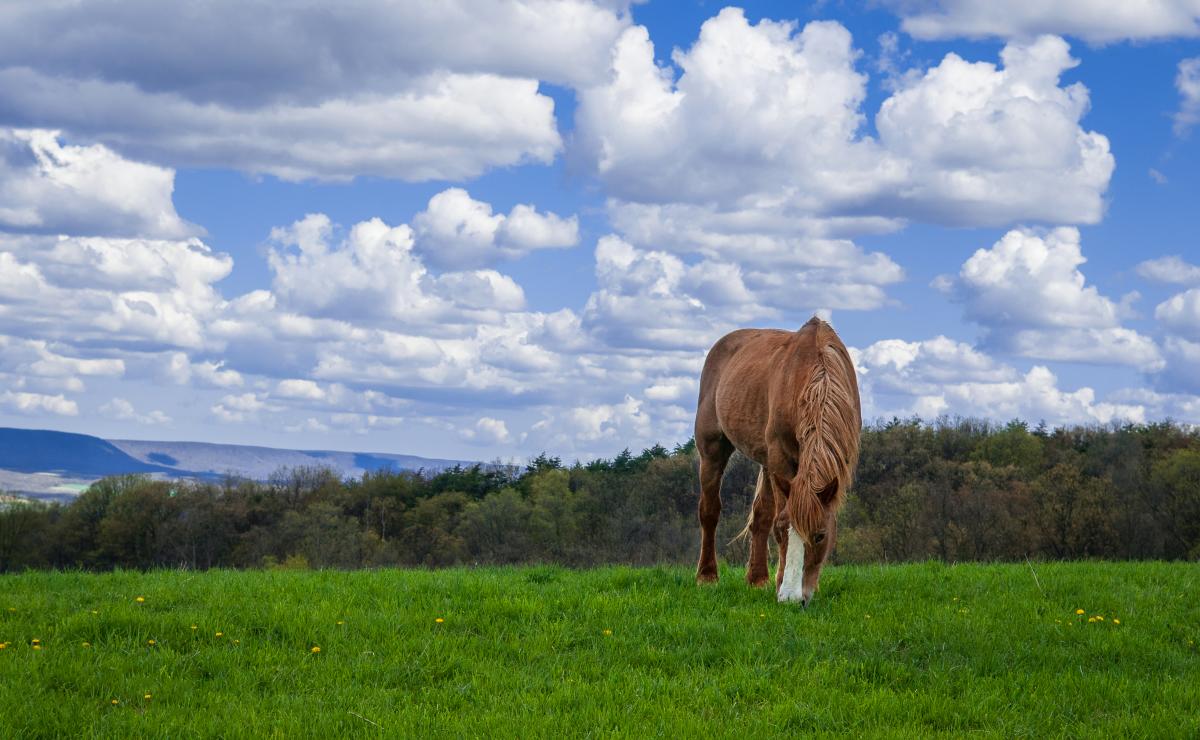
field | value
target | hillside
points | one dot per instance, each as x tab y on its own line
51	464
907	651
260	462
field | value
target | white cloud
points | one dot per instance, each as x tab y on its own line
1170	269
123	410
35	404
1096	21
238	51
179	369
241	407
1181	313
35	357
486	432
373	275
299	388
47	187
937	376
1188	84
113	292
1028	292
643	300
756	109
457	231
406	90
766	120
593	429
987	146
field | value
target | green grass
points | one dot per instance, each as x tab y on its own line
911	650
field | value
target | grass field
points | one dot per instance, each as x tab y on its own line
910	650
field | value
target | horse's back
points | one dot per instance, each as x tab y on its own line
733	388
749	370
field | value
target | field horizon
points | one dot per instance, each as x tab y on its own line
1028	649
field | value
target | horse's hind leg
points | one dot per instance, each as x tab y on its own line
714	456
762	515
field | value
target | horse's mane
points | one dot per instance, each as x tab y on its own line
827	430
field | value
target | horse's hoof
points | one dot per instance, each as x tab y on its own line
758	582
705	578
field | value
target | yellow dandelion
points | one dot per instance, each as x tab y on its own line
866	616
87	644
762	615
35	641
220	634
1091	619
146	697
316	648
193	627
140	599
37	647
340	622
1099	617
439	620
608	633
1079	611
95	611
3	645
1116	621
237	642
115	702
151	643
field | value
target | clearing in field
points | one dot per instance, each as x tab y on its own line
1082	649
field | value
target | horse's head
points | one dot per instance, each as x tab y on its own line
808	545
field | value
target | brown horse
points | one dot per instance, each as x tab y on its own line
789	401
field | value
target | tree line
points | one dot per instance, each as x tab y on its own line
952	490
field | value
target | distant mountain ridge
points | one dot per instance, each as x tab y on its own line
57	464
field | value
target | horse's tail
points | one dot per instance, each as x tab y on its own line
758	491
827	433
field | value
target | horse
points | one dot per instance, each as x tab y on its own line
788	401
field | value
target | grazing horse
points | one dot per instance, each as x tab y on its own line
788	401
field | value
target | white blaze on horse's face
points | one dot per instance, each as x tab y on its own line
792	588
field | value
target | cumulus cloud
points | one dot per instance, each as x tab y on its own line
241	51
403	90
594	428
178	368
1181	313
763	117
457	231
1028	293
1188	84
1170	269
374	274
939	376
1096	21
36	404
486	432
122	410
47	187
117	293
985	145
648	299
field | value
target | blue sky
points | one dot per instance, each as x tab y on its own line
520	229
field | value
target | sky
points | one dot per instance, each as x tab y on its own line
483	229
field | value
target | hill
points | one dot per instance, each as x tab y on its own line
906	651
260	462
51	464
